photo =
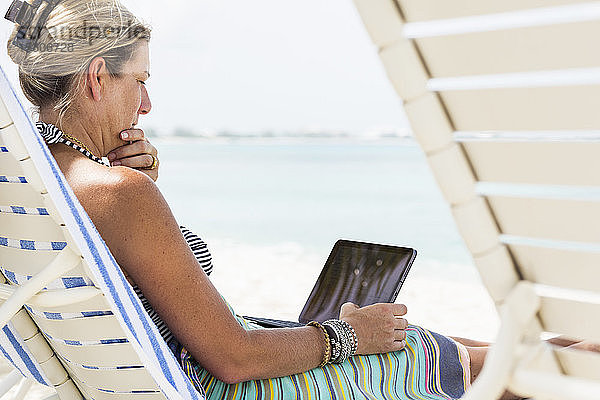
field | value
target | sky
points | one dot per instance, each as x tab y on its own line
261	65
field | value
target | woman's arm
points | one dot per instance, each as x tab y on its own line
135	221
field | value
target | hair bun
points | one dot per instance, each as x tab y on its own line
30	20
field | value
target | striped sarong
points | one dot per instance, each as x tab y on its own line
431	366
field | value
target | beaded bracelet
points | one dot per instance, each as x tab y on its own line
336	345
327	354
343	338
350	329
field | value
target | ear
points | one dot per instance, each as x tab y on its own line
96	77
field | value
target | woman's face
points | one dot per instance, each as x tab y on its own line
127	96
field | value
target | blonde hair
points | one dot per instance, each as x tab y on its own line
52	71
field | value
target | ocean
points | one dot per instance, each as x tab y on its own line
310	194
271	210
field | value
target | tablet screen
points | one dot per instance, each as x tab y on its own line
363	273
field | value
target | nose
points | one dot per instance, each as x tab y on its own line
145	104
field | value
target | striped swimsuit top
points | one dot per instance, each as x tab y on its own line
200	250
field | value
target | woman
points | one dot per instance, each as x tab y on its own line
90	99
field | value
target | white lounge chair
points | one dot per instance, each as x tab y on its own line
74	322
504	99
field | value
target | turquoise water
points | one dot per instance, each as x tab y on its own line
310	194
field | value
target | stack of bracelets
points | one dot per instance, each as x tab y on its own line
341	341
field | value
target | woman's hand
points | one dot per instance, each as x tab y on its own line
379	327
139	154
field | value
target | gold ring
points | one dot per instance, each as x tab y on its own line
154	163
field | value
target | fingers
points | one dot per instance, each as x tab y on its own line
132	134
141	161
399	335
398	345
138	153
136	148
400	323
399	309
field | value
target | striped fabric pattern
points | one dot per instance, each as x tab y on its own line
163	329
97	368
31	244
12	179
23	210
431	366
13	348
199	248
52	134
86	342
49	132
63	316
61	283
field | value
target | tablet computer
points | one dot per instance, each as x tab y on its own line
359	272
363	273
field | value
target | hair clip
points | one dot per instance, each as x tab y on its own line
22	13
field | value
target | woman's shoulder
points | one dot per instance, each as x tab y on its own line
113	184
125	182
116	195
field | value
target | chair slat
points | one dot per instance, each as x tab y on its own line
477	226
29	263
82	329
67	391
545	163
403	67
93	393
513	109
557	267
96	303
19	194
382	20
24	325
54	370
5	118
39	347
517	50
583	364
100	355
565	317
429	122
118	380
30	227
10	136
497	278
425	10
8	165
567	220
